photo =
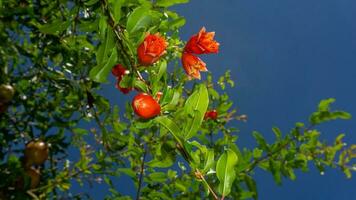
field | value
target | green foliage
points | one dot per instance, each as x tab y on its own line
323	114
167	3
56	55
225	171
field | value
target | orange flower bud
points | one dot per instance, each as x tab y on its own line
202	43
193	65
151	49
211	114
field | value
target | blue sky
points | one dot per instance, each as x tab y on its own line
285	56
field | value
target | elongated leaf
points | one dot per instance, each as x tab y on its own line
260	140
167	3
177	23
116	9
140	18
54	28
324	104
209	160
158	176
106	58
277	132
192	124
164	163
162	69
275	168
156	74
225	171
172	127
251	185
196	106
100	73
105	47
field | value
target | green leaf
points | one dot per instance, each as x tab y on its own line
164	163
100	73
225	171
167	3
209	160
162	69
251	185
106	57
127	82
260	140
156	75
196	106
54	28
275	167
172	127
324	114
192	124
116	10
325	104
91	2
140	85
177	23
257	153
127	171
277	132
80	131
105	47
158	176
139	19
64	186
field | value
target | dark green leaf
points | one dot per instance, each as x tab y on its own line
55	28
100	73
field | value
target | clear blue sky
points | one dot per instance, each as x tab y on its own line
285	56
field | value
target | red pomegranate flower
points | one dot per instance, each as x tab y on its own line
193	65
119	72
202	43
151	49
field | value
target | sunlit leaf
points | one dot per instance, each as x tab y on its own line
167	3
196	106
225	171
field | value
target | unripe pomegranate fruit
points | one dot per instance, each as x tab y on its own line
145	106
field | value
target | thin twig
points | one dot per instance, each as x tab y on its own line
142	169
201	176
